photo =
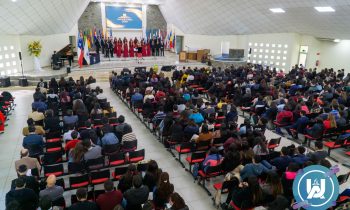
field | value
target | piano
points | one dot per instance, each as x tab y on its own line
61	56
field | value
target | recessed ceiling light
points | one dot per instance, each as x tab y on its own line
324	9
277	10
13	0
336	40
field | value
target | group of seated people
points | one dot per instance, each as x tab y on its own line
6	105
78	117
200	105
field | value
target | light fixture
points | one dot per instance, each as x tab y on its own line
336	40
277	10
324	9
13	0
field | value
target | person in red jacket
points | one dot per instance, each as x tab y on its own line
149	51
2	122
285	116
111	198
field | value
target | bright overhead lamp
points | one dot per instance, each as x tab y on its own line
336	40
324	9
13	0
277	10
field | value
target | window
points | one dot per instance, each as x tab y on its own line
13	55
267	45
15	70
0	57
5	48
260	62
11	47
272	57
273	45
260	56
266	51
8	64
277	63
14	63
279	46
248	61
250	44
254	56
261	44
271	62
278	51
285	46
254	61
9	71
1	65
261	50
278	57
266	56
283	64
255	44
284	58
285	52
7	56
272	51
255	50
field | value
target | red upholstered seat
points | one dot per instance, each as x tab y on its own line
136	159
310	137
343	198
332	144
53	140
99	181
347	153
200	88
55	149
58	173
82	184
186	150
272	146
218	186
118	177
117	162
220	117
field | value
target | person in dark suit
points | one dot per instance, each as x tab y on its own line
83	203
103	45
110	47
30	181
97	46
55	58
24	197
161	48
153	46
157	46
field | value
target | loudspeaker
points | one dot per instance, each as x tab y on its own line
23	82
5	82
20	55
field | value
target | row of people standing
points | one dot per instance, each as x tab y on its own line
124	48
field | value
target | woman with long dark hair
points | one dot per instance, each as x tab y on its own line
177	202
163	190
125	182
152	175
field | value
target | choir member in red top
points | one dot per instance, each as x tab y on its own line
119	49
149	51
131	48
125	48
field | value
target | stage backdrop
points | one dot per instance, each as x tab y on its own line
123	17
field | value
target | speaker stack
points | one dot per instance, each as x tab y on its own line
22	81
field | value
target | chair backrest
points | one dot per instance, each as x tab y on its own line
198	155
59	202
56	170
203	145
60	182
213	170
52	158
136	156
111	149
117	157
343	178
130	145
119	172
79	181
76	167
275	141
98	177
186	145
53	146
94	164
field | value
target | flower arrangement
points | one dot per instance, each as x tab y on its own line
34	48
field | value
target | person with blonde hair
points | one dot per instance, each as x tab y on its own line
330	122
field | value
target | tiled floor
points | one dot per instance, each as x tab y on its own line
194	195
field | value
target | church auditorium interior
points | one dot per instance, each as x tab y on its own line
174	104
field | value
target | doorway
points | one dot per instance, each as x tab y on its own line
179	43
303	55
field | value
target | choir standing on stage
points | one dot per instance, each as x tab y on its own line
123	48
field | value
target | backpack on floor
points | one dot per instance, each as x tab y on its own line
195	171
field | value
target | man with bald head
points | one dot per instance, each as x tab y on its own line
52	190
31	163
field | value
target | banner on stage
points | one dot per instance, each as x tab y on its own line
124	17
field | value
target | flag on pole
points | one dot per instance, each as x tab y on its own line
80	50
174	41
91	37
171	39
86	52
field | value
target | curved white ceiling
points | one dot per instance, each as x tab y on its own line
233	17
40	17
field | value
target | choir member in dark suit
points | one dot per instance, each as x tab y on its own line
153	46
102	45
157	46
110	47
161	48
97	46
115	42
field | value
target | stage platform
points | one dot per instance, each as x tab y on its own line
224	62
103	68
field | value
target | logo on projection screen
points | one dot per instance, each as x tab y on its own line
124	18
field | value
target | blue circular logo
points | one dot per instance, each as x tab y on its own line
316	187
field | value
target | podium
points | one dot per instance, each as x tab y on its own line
182	56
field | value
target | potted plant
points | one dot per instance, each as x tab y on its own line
34	49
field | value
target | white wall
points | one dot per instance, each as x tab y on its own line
335	55
9	60
49	44
314	48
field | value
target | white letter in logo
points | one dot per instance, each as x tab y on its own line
315	190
